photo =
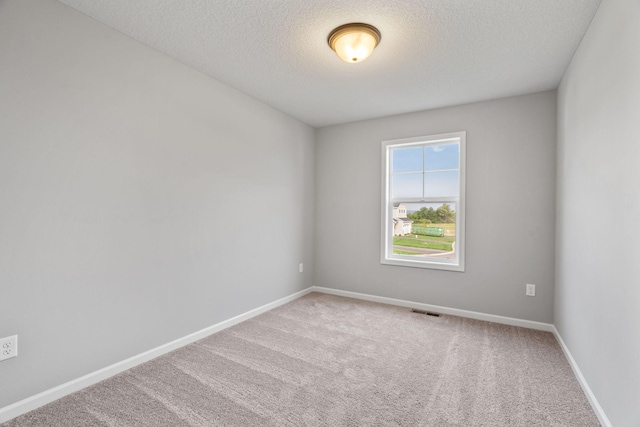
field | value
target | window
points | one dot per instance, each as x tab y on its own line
423	201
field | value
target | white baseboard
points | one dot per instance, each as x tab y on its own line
595	405
29	404
439	309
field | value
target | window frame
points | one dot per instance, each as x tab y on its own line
387	256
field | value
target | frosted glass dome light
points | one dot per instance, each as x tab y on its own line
354	42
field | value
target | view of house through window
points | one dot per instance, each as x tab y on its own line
423	200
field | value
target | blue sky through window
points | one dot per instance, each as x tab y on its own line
407	185
441	183
407	159
427	171
441	157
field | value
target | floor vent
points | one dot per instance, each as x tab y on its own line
428	313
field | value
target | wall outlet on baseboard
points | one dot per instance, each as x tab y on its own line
301	267
8	347
531	290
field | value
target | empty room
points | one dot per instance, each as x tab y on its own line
319	213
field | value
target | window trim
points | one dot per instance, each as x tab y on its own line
387	205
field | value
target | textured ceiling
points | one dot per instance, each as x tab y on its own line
433	53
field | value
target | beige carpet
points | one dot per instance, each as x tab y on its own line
330	361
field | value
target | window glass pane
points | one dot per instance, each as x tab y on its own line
406	185
406	159
443	156
441	183
429	231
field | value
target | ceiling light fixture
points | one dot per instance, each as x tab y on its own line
354	42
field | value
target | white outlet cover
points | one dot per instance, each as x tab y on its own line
531	290
8	347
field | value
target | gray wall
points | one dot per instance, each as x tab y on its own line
509	218
597	303
140	200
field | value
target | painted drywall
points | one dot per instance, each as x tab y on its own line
510	208
140	200
597	302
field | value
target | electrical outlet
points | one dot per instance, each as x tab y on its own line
301	267
8	347
531	290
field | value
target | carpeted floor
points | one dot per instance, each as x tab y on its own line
331	361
